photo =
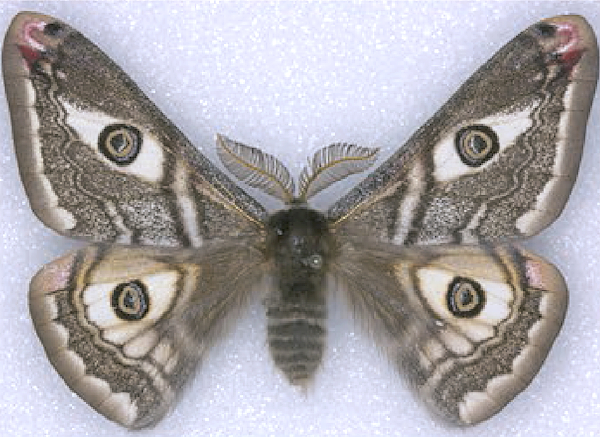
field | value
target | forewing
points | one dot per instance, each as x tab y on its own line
126	327
499	158
98	160
469	326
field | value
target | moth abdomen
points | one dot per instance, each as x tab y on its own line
296	336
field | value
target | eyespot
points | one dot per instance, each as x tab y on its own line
465	297
120	143
130	300
315	261
476	144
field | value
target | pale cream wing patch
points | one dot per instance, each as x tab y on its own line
125	327
469	326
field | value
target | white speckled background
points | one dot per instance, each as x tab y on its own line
290	78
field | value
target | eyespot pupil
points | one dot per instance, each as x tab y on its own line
466	297
130	300
120	143
477	145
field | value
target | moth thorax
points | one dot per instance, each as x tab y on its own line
299	244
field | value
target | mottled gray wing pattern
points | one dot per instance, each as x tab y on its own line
126	327
499	158
468	326
98	160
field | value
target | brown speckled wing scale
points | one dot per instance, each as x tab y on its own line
498	160
126	336
125	326
98	160
467	317
469	326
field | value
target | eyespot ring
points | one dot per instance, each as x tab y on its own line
465	297
476	144
130	300
120	143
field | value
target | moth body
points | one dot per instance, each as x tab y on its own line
300	245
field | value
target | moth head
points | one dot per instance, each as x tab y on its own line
300	235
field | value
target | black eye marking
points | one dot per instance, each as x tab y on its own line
120	143
546	30
465	297
476	144
130	300
54	29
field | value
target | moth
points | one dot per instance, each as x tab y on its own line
423	248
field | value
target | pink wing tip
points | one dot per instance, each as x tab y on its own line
54	276
568	38
543	275
28	33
